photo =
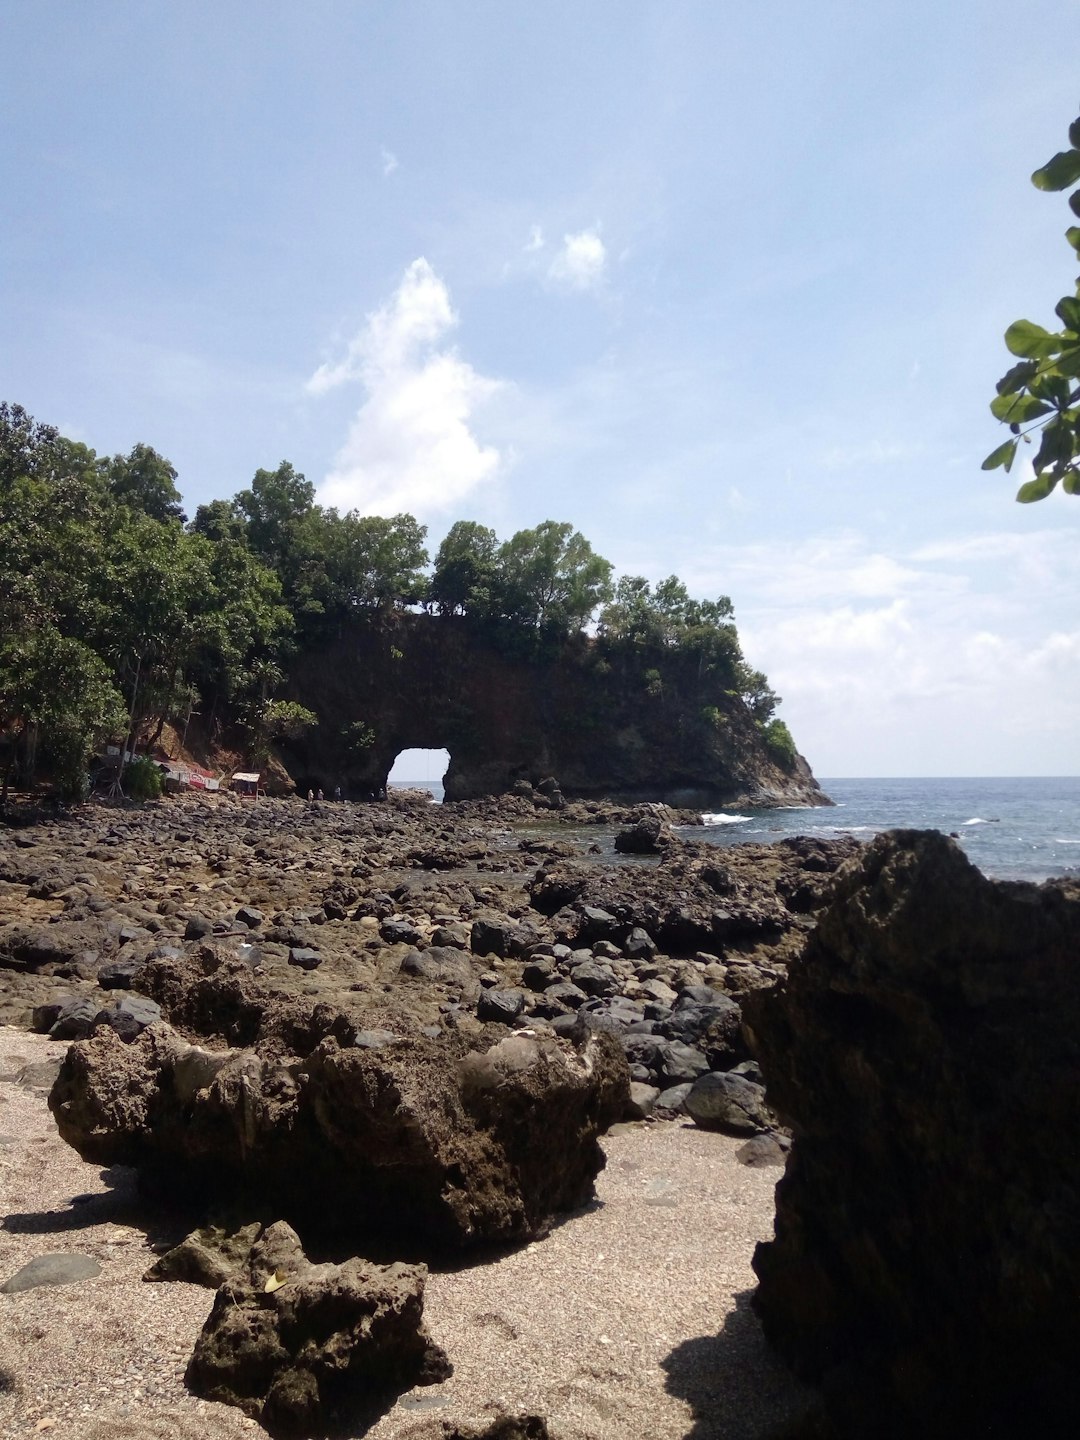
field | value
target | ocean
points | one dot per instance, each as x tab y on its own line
1012	829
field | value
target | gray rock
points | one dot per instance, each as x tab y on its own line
500	1005
117	974
75	1019
639	944
594	978
198	927
562	992
453	936
250	916
399	930
208	1256
763	1150
55	1269
129	1016
720	1101
679	1062
642	1101
304	958
673	1097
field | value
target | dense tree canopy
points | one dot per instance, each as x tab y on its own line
1040	394
115	614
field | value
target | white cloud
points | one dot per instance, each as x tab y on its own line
582	261
410	445
959	658
389	160
535	240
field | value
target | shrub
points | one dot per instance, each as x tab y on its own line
142	779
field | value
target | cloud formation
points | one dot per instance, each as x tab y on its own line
581	263
410	445
389	161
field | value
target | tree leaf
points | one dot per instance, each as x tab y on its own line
1074	134
1003	455
1068	309
1025	338
1072	235
1016	378
275	1282
1074	202
1036	489
1068	362
1018	409
1059	173
1071	483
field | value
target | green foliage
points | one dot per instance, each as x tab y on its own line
466	570
145	481
142	779
286	719
654	684
357	739
550	577
713	716
779	743
1039	395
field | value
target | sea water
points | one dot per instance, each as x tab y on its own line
1012	829
1020	829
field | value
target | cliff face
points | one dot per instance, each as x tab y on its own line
599	726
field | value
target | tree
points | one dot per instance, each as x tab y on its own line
146	481
465	569
551	577
1040	393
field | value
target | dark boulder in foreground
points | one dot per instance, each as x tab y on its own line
305	1348
476	1137
926	1050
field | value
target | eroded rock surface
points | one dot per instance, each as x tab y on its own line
475	1137
305	1348
925	1049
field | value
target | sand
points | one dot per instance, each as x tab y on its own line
630	1319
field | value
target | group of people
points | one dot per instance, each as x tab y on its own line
314	795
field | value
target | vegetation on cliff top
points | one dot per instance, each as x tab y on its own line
116	614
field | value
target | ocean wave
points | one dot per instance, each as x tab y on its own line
721	819
978	820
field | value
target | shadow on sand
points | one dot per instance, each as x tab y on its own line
736	1386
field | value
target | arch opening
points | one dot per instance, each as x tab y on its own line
420	770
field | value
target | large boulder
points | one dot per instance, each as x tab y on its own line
433	1143
305	1348
927	1254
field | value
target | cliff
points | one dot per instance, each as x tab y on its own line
601	725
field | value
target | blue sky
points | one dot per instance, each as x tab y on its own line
722	285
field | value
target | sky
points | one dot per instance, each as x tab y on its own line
723	286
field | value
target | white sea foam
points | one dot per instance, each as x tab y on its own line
721	819
976	821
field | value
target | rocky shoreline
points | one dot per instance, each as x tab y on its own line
400	1027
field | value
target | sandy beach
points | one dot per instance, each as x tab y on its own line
630	1319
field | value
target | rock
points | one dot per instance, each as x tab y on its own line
639	944
302	1122
198	927
594	979
500	1005
61	1268
208	1256
250	916
506	1427
677	1062
646	837
452	936
129	1016
672	1097
538	974
731	1103
118	974
491	937
763	1150
74	1019
304	958
306	1348
399	930
924	1049
642	1101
